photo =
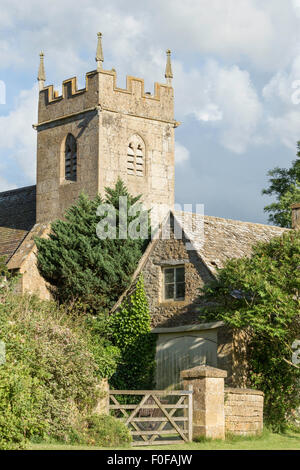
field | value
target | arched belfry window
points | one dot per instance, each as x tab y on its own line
70	158
136	156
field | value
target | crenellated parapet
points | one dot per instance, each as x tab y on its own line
53	105
133	100
101	90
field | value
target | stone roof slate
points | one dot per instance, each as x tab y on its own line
216	240
17	217
27	245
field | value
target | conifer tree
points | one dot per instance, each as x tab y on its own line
83	268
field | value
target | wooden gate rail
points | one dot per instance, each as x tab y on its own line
163	414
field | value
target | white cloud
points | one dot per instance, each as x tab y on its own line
67	35
296	4
281	86
5	185
260	32
210	112
223	97
182	154
285	128
17	138
282	106
220	48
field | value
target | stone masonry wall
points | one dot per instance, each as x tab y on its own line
31	280
157	183
178	313
243	411
225	353
104	118
54	193
174	313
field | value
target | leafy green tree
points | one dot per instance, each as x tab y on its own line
6	280
285	185
130	327
261	295
81	267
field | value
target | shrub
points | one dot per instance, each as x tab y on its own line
21	397
105	431
260	296
106	355
47	352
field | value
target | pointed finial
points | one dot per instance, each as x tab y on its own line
99	52
41	74
168	72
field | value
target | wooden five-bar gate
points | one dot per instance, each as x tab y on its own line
160	416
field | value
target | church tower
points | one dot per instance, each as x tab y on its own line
88	138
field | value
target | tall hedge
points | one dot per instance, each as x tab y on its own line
50	375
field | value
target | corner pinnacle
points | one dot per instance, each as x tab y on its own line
99	52
168	72
41	73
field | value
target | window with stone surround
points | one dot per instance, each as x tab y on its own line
136	156
70	158
174	283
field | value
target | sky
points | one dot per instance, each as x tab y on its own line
236	67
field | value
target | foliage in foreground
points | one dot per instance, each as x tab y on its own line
261	295
285	185
82	267
50	375
4	273
130	329
21	398
104	431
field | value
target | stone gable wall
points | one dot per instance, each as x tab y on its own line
167	314
31	281
231	355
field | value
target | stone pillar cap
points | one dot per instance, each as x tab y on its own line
203	371
243	391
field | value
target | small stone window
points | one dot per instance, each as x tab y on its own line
174	283
70	158
136	157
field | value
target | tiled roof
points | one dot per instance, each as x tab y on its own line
217	240
17	217
27	245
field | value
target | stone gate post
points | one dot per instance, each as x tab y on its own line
208	400
102	407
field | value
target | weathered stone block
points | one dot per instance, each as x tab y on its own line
243	411
208	400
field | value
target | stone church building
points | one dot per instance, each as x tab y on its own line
86	139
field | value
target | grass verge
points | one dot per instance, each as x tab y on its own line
268	441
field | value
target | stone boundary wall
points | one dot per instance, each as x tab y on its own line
216	411
243	411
